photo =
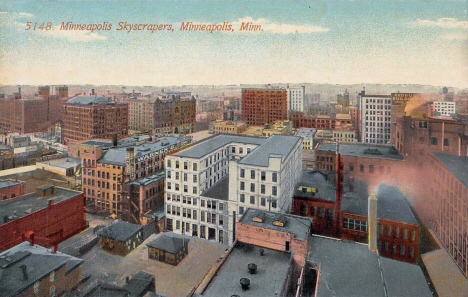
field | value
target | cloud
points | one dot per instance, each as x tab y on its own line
72	35
446	23
278	28
455	36
25	14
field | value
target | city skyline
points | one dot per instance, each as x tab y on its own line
302	42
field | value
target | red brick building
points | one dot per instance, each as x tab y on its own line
11	189
301	119
264	106
90	117
52	214
347	217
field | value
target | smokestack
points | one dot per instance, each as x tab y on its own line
19	91
114	140
372	222
25	273
92	92
55	248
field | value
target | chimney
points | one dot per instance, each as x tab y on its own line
55	248
92	92
19	91
127	279
114	140
31	239
25	273
51	203
372	222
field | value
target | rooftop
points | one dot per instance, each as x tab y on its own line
319	181
219	191
8	183
138	285
169	242
299	226
25	205
117	156
90	100
120	231
367	273
216	142
363	150
63	163
147	180
304	132
275	145
456	164
39	263
270	279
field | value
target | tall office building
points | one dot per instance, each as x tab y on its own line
296	98
90	117
209	186
375	118
264	106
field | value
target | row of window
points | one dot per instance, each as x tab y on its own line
274	175
371	168
177	188
274	189
188	228
263	200
402	251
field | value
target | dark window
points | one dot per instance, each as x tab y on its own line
434	141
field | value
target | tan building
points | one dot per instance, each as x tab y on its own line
166	114
229	127
89	117
126	181
277	128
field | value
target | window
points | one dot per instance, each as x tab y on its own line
446	142
274	177
252	199
389	230
304	209
195	166
185	165
386	246
394	248
351	167
202	203
185	189
242	173
355	224
168	185
242	186
274	203
194	190
397	232
252	187
262	201
411	252
263	175
52	291
252	174
202	216
371	168
361	168
241	150
194	178
402	250
233	149
52	277
241	210
274	191
413	235
434	141
405	234
242	198
169	163
262	189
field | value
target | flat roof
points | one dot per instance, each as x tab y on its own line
63	162
169	242
306	132
90	100
39	262
27	204
120	230
117	156
216	142
318	180
370	151
270	279
219	191
458	165
275	145
148	180
350	269
8	183
297	225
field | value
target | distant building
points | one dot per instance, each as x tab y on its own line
31	213
168	114
296	98
276	128
343	99
90	117
307	138
120	237
445	108
264	106
168	248
11	189
336	122
28	115
229	127
210	185
28	269
375	118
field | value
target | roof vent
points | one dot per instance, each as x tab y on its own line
280	221
245	283
259	217
252	268
369	151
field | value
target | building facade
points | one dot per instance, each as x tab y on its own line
375	118
209	186
445	108
264	106
11	189
296	98
90	117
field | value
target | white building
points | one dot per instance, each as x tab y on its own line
376	118
307	136
445	108
296	98
211	184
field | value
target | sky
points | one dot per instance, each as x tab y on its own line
336	42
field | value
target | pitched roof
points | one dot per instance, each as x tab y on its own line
169	242
120	231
